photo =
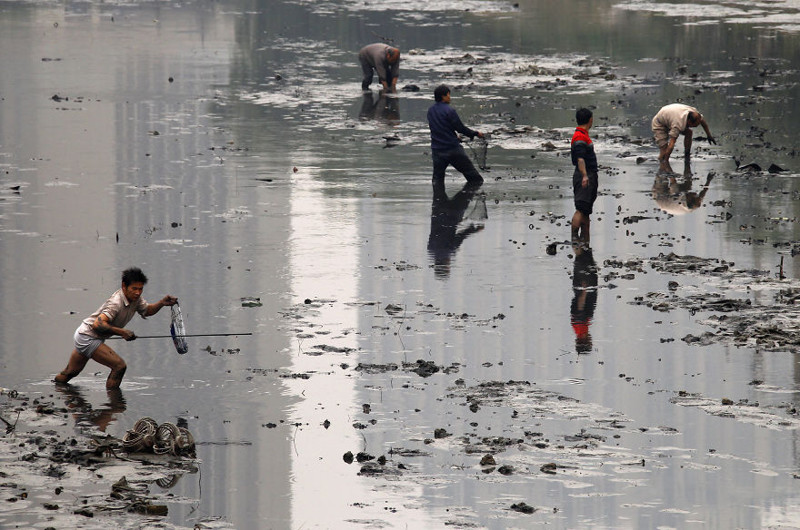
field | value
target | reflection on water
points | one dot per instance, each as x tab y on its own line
447	214
83	411
385	108
228	121
673	193
584	297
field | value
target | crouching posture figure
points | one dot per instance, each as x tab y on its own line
110	319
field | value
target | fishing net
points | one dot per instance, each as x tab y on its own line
479	147
178	330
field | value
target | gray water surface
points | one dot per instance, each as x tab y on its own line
226	148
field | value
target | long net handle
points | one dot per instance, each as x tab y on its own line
115	337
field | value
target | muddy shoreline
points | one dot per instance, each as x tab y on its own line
498	377
61	469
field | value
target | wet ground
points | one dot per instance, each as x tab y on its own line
488	377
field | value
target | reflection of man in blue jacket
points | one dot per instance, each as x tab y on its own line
446	214
446	148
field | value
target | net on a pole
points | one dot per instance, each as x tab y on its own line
178	330
479	147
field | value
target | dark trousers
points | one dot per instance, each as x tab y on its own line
584	197
366	70
457	158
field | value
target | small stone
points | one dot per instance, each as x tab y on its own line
522	508
550	469
364	457
440	433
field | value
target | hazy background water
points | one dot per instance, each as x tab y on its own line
225	147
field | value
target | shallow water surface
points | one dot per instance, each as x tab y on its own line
226	148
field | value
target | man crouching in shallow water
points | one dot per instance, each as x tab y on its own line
111	319
584	179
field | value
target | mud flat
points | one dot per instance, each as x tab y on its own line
58	476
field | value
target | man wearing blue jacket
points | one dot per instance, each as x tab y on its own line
446	148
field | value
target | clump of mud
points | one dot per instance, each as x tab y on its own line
51	473
736	316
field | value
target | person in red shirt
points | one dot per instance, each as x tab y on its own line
584	179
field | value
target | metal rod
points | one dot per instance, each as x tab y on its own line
181	336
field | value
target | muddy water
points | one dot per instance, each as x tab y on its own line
227	150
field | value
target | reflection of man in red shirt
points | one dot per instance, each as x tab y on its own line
584	300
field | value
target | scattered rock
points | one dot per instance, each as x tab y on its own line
248	301
751	167
521	507
488	460
364	457
424	368
550	468
505	470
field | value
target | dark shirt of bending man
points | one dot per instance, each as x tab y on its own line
384	60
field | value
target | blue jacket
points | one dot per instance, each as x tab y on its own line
444	123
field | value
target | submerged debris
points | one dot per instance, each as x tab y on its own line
167	438
522	508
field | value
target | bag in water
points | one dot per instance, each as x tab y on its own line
177	330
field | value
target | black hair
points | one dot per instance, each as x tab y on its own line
583	115
133	275
440	92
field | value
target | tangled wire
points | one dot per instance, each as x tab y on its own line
167	438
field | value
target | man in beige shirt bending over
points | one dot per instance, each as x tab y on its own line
674	120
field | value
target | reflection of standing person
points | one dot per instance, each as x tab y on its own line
384	60
110	320
385	108
672	121
584	179
446	148
82	410
446	214
584	298
676	197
